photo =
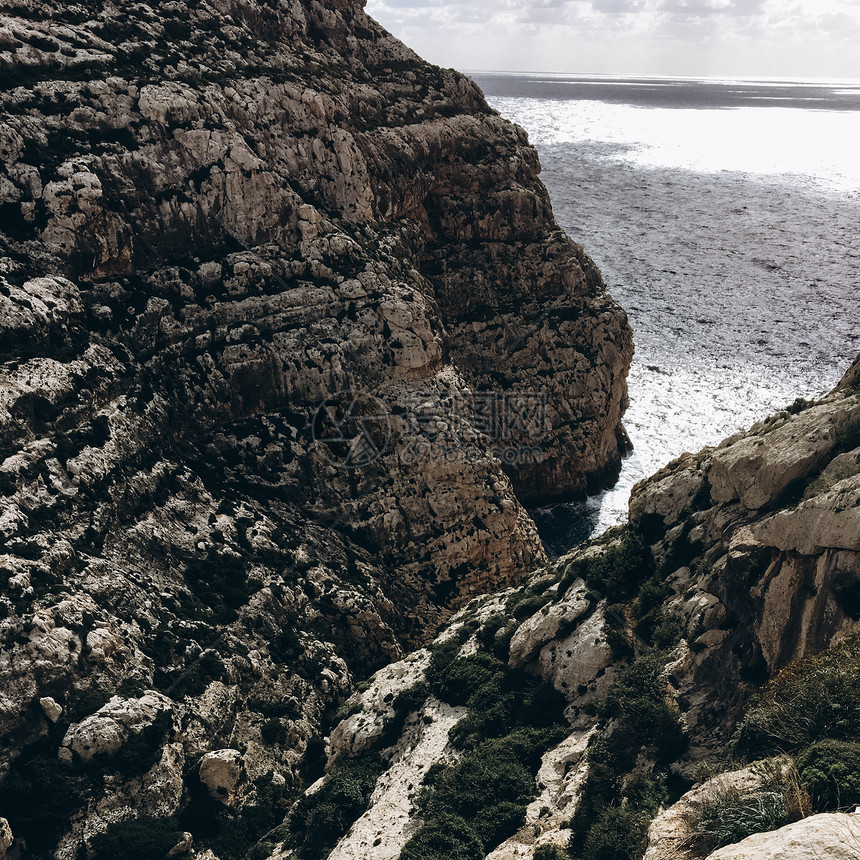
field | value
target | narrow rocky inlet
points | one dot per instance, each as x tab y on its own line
289	339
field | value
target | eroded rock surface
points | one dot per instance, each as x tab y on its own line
214	218
737	561
759	540
834	836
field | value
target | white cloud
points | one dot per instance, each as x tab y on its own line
811	38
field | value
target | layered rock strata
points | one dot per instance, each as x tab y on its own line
287	335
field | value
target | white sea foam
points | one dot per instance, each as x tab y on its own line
816	145
730	237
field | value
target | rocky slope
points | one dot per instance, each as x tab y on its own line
288	334
739	562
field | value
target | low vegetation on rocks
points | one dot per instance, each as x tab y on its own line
731	814
628	765
319	820
470	806
812	699
830	771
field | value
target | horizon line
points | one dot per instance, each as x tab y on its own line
851	81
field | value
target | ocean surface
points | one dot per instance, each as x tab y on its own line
725	217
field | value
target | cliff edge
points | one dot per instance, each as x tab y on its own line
288	335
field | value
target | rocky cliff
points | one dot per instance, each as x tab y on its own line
288	336
719	625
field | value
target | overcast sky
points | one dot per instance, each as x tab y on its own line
732	38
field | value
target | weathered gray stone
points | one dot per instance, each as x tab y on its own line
6	837
835	836
222	772
105	732
52	710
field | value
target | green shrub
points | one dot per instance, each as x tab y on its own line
800	405
445	837
488	790
618	632
272	800
498	698
811	699
617	572
502	643
639	701
830	771
443	653
345	711
138	839
522	606
487	634
495	823
639	719
497	771
319	820
550	852
457	681
731	815
619	833
407	701
646	791
668	632
474	804
263	850
653	623
651	595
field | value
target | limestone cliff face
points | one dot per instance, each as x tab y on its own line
214	218
762	538
245	208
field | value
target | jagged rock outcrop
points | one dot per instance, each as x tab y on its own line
834	836
261	207
287	335
761	538
737	560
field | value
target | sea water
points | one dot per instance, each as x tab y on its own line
725	217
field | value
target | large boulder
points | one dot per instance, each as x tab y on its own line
105	733
222	772
835	836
